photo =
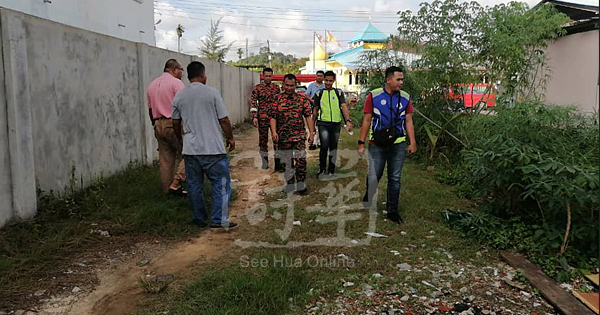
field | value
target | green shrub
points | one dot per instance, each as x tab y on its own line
534	168
541	165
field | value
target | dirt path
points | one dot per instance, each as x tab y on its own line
119	288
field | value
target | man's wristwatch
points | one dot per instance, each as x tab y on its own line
360	142
349	120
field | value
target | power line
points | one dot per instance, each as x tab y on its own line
252	44
199	11
274	9
317	18
264	26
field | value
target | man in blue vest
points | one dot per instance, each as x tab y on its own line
330	111
387	121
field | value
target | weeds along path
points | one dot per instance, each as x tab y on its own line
119	287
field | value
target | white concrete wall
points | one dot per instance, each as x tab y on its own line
573	62
132	20
84	113
230	84
73	106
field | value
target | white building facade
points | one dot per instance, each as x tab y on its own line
131	20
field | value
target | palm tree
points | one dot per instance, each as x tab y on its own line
180	30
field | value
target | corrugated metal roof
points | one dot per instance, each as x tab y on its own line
370	34
576	10
583	13
349	58
584	2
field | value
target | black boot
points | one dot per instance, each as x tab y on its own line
265	162
289	187
394	217
278	165
301	189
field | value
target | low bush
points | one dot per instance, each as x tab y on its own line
534	168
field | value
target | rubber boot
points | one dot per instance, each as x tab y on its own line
278	165
265	162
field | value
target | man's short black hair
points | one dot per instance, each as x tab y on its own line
195	69
321	72
171	64
267	70
389	72
330	74
289	76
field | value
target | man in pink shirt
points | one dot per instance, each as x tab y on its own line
160	96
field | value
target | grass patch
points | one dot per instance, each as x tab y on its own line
127	205
426	240
233	289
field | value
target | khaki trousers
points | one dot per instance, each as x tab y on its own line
169	148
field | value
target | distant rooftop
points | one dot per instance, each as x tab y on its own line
349	58
370	34
593	3
576	9
583	14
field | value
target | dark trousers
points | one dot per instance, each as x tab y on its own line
293	158
393	156
263	138
216	168
329	134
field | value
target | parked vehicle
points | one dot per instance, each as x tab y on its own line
351	98
301	89
471	94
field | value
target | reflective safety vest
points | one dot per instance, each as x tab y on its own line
388	111
330	108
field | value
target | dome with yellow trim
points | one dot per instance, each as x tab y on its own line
318	54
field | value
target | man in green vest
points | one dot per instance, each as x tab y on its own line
330	111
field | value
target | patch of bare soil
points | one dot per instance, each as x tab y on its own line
112	283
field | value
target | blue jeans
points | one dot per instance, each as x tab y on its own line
329	134
393	156
216	168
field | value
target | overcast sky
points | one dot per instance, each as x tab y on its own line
288	25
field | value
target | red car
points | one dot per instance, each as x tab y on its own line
473	93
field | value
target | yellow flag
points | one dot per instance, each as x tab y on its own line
332	39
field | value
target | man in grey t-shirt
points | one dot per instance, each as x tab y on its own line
201	110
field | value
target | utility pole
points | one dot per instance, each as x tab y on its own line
314	51
246	50
269	53
325	62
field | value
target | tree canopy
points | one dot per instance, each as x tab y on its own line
281	63
213	47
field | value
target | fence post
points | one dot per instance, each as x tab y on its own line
19	115
146	132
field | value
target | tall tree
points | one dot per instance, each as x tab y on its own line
180	30
213	47
462	41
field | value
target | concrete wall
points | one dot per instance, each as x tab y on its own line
73	106
6	201
230	82
126	19
573	62
82	109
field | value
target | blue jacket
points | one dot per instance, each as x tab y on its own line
385	116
